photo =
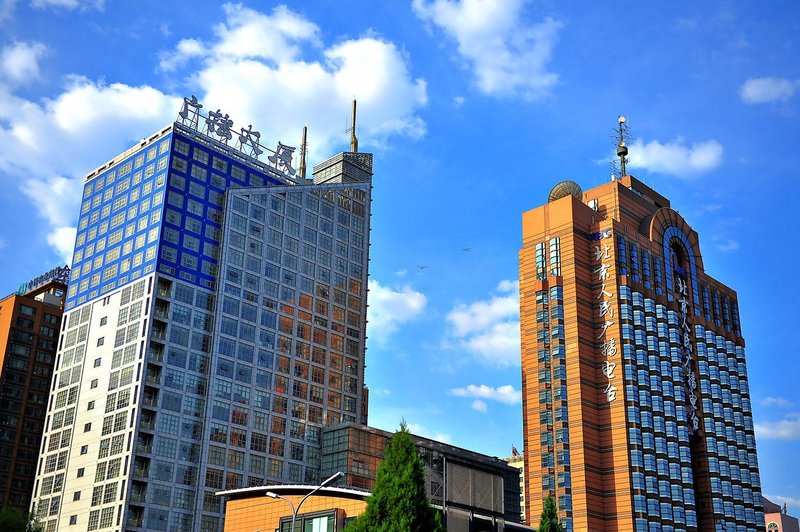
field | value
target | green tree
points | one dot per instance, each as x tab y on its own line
399	502
14	520
549	520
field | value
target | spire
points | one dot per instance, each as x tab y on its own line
303	150
353	138
622	149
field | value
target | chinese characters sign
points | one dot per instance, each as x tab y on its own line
60	274
686	351
219	126
606	298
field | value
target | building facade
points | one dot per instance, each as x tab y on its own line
517	461
29	325
216	319
637	412
474	491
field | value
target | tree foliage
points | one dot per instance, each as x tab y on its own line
14	520
399	502
549	521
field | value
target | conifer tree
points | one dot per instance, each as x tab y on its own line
399	502
14	520
549	520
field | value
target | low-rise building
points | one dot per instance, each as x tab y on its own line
30	320
475	492
777	520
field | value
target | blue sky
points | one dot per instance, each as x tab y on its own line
474	110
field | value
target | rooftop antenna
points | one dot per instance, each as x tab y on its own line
352	130
614	170
303	151
622	149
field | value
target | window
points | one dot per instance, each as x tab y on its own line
85	448
81	471
73	519
94	384
101	341
90	406
97	362
87	427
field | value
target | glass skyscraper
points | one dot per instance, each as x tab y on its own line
215	321
636	407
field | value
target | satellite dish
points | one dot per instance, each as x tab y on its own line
564	189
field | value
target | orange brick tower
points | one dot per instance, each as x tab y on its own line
636	408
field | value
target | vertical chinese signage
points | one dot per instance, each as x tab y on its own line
605	297
689	375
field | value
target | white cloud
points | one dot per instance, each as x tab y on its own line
503	394
766	90
19	63
55	198
6	8
779	402
480	406
458	101
285	88
675	157
248	33
420	430
388	309
185	50
728	246
62	239
268	83
69	4
507	56
88	123
787	428
489	329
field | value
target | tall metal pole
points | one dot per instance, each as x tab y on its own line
303	150
353	138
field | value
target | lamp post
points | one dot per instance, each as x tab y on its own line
325	483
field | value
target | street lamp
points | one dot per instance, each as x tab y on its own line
325	483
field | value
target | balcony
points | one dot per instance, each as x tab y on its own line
150	400
141	471
155	354
142	448
164	289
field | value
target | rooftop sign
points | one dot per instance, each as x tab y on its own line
60	274
219	126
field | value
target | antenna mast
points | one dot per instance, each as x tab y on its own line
353	138
303	151
622	149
